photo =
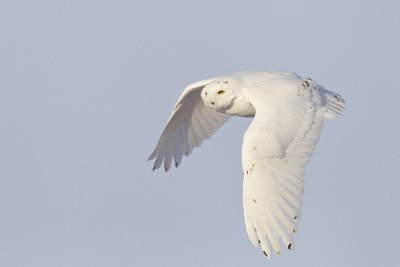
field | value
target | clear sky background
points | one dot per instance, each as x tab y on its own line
86	88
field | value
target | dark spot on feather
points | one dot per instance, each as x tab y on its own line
247	172
226	82
254	200
212	103
259	242
265	253
205	93
295	217
176	164
294	231
289	246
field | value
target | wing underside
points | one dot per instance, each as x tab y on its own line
272	195
273	183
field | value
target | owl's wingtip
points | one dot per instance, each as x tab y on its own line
153	155
266	255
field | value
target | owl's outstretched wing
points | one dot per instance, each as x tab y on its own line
189	125
276	148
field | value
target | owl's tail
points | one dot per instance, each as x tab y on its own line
332	104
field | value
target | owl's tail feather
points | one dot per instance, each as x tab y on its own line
332	104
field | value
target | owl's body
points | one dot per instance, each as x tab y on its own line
288	115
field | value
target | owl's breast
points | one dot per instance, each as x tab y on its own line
242	109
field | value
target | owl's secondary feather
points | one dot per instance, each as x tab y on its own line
288	115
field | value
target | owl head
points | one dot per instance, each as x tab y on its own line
219	95
224	95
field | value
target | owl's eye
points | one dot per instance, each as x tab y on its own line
220	92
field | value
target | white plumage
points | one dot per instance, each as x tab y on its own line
288	115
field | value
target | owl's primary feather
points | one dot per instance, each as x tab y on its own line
288	115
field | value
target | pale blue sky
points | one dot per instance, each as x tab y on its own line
87	86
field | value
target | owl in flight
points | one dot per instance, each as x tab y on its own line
288	114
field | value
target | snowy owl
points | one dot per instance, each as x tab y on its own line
288	115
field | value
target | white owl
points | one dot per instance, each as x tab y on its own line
288	115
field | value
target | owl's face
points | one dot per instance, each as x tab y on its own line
218	95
